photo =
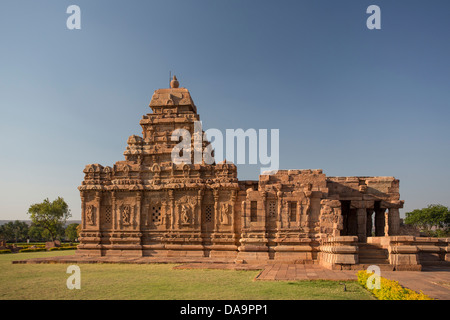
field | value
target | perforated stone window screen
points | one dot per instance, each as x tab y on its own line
272	209
108	213
156	214
209	212
293	210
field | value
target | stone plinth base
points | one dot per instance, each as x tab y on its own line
223	254
253	250
89	252
252	257
403	253
339	253
292	250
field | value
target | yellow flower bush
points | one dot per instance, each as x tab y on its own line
390	290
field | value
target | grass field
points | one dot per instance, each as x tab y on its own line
155	282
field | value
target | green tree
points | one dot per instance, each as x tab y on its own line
50	215
37	233
71	232
435	216
6	232
14	231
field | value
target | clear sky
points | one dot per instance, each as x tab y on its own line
346	99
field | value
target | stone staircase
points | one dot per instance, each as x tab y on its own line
373	254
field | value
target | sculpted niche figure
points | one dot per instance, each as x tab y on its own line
126	214
225	214
185	210
90	215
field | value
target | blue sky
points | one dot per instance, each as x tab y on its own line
346	99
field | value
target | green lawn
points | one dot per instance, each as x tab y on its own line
155	281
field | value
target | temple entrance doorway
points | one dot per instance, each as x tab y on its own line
350	222
375	221
379	220
372	224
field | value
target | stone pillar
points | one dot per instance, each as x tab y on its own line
114	210
216	210
362	208
393	222
98	199
369	224
83	210
199	206
232	218
386	223
299	213
244	214
165	212
280	208
264	209
178	213
361	219
145	215
307	209
172	209
137	223
361	215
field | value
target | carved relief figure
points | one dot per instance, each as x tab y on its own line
90	215
225	214
338	222
185	213
325	210
307	206
126	214
306	211
165	220
325	217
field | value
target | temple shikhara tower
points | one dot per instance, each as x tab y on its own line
147	206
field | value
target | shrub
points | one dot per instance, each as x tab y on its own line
5	251
390	290
29	246
63	248
31	243
66	245
32	250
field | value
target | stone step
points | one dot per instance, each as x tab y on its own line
373	261
373	250
370	254
374	254
364	266
366	246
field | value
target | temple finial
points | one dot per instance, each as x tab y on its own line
174	83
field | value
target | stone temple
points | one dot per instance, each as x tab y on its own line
147	206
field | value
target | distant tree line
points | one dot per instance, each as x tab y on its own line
433	220
20	231
48	223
